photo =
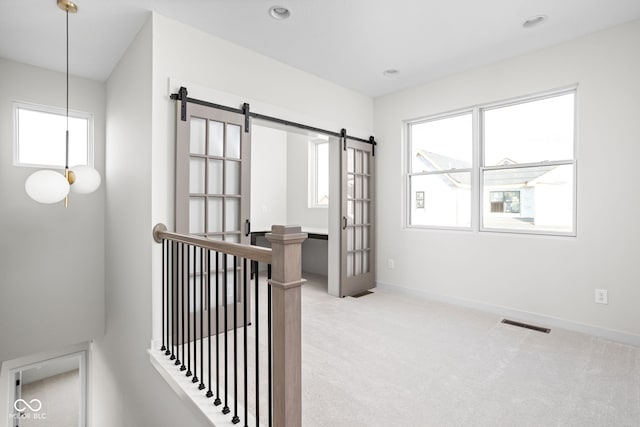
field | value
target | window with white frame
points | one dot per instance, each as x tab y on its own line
40	137
525	166
440	168
319	173
528	148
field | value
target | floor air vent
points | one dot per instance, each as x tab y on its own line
527	326
361	294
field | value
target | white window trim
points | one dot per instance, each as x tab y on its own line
478	166
313	174
51	110
409	174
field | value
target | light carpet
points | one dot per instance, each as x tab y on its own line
391	359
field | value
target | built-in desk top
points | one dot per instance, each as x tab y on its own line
314	233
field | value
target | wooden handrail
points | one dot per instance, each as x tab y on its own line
255	253
284	314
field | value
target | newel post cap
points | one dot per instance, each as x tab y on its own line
286	234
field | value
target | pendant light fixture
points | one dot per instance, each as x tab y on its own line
47	186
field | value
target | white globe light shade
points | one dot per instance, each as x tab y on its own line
47	186
87	179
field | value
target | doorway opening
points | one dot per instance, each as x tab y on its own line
49	392
292	183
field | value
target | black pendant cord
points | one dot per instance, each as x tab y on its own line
66	162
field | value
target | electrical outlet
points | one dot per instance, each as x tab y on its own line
601	296
391	264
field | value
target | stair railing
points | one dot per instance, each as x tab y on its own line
210	330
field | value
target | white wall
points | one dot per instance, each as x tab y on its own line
268	177
553	277
52	258
135	394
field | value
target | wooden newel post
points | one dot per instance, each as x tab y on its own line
286	279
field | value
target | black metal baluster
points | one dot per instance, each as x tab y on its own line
186	308
244	311
164	282
167	292
225	409
269	367
178	265
174	303
201	386
182	264
257	332
235	418
209	392
217	402
195	358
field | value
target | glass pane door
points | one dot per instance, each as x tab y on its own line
357	255
212	194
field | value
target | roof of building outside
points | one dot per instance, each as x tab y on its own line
434	162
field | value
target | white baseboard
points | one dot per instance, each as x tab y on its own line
514	314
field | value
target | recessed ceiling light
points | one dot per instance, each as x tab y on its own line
390	72
279	12
533	21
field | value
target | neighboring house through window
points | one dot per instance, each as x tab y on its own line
505	201
440	171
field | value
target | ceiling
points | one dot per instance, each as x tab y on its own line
349	42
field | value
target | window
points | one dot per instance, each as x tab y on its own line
505	201
529	150
440	171
319	173
40	136
525	167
